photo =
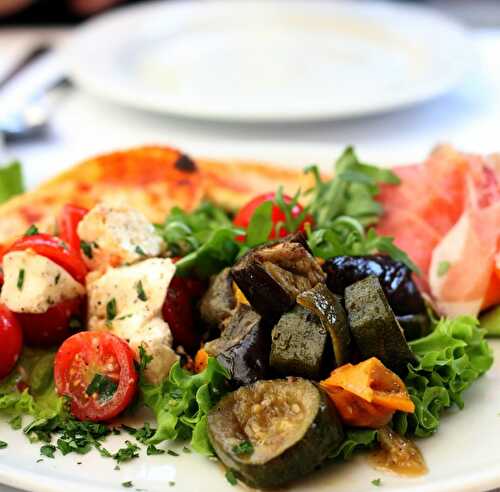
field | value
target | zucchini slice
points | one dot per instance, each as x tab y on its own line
273	275
243	348
374	327
329	310
273	432
298	345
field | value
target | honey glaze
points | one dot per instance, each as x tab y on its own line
398	455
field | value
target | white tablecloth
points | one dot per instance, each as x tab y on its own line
468	117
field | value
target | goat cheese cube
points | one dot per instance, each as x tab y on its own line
117	235
128	301
33	283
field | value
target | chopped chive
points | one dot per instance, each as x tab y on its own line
103	386
140	291
111	310
58	277
127	485
172	453
377	482
244	447
3	444
443	267
231	477
20	279
87	249
139	251
31	231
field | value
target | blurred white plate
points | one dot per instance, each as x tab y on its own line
462	456
270	60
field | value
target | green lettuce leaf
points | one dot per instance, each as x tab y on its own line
38	399
449	360
182	401
11	181
355	440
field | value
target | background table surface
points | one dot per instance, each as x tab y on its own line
468	117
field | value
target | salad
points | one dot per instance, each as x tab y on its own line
278	340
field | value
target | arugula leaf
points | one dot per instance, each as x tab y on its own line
11	181
181	403
449	360
261	225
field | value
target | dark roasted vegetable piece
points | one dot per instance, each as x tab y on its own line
271	276
395	278
329	310
243	348
298	345
218	302
290	424
374	326
415	325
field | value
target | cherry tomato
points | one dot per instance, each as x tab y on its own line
96	370
54	249
243	217
11	341
52	327
69	219
178	313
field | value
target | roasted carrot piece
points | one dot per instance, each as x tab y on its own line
367	394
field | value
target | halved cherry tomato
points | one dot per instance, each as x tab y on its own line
11	341
178	313
69	219
244	216
54	249
96	370
52	327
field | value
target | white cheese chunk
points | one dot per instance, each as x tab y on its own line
117	235
33	283
128	302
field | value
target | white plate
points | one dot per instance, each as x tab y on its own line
462	456
269	60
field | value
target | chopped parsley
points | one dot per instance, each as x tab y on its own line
186	450
3	444
377	482
20	279
443	267
152	450
87	249
143	434
31	231
127	453
58	277
111	310
75	323
48	450
144	358
172	453
103	386
140	291
231	477
244	447
16	423
139	251
127	485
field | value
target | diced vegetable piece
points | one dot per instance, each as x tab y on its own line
367	394
491	322
298	345
200	360
415	325
394	276
329	310
219	301
374	326
243	348
271	276
290	426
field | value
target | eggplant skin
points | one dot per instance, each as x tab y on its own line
244	347
271	276
395	278
218	303
321	440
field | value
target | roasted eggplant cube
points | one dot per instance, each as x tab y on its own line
374	326
415	325
271	276
273	432
243	348
298	345
395	278
219	302
328	308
